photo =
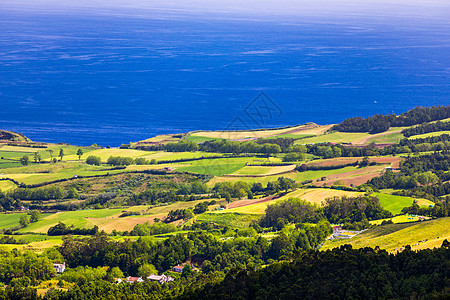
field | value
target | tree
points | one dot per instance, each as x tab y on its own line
187	271
94	160
37	157
35	215
51	154
24	221
79	153
24	160
61	153
146	270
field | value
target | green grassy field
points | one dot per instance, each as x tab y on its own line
236	220
6	185
297	176
263	170
393	203
217	167
388	138
397	219
105	219
394	236
425	135
335	137
199	139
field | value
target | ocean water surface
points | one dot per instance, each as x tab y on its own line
111	77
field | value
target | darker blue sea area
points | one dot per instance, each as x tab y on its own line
112	78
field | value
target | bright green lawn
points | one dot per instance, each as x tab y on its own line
394	203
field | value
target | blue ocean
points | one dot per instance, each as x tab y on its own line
85	76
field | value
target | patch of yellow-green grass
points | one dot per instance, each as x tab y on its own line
6	185
264	170
397	219
394	203
199	139
235	220
163	138
9	220
217	167
430	134
37	246
394	137
395	236
40	173
316	131
297	176
19	149
424	202
105	219
318	196
79	218
236	135
314	196
335	137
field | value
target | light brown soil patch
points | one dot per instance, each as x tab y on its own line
241	203
394	161
355	177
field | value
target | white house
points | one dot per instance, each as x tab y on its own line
59	268
134	279
161	279
178	269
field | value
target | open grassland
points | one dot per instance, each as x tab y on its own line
239	135
394	203
335	137
258	206
39	173
236	220
394	236
6	185
425	135
217	167
9	220
105	219
318	196
386	138
397	219
38	246
297	176
263	170
199	139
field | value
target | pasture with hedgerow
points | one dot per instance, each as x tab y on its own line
62	203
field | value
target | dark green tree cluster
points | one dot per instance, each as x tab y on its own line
147	229
63	229
426	128
342	273
381	123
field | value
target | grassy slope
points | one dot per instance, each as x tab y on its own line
425	135
105	219
393	203
394	236
297	176
228	219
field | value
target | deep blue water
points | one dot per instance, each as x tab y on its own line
90	78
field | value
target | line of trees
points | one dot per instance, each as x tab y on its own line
380	123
